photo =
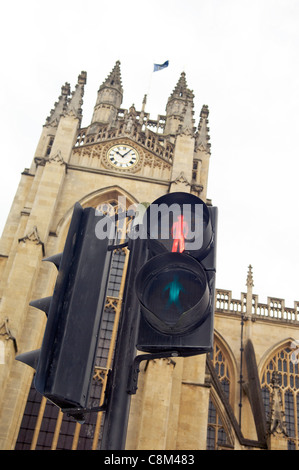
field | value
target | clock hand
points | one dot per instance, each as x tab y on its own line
126	153
118	153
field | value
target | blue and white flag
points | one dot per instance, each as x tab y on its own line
158	67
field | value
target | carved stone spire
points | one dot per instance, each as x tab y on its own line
179	108
109	98
144	103
202	136
249	303
181	89
114	78
75	103
142	113
130	118
59	107
249	281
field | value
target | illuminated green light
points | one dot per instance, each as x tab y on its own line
175	288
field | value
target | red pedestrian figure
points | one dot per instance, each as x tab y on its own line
179	232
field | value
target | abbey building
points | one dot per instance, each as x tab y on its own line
242	396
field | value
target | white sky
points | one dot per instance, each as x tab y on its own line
240	58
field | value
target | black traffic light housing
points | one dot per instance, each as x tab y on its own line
176	285
65	363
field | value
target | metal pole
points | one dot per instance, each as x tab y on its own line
119	400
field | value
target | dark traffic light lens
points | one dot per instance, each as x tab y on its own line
173	292
169	294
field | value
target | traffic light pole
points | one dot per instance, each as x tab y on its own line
119	399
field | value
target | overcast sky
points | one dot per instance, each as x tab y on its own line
240	58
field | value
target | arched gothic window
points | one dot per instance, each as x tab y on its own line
217	435
284	368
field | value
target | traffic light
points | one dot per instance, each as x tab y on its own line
176	285
64	364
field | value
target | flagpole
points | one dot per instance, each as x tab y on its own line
149	83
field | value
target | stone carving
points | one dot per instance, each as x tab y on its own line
33	237
56	158
277	423
5	331
181	179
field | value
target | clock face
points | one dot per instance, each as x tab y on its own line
123	156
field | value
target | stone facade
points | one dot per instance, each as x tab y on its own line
234	399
